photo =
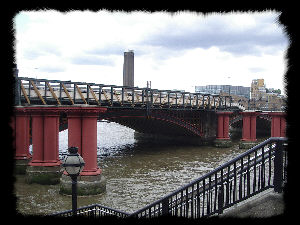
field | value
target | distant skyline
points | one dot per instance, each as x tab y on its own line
173	51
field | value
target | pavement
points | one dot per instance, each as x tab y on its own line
265	204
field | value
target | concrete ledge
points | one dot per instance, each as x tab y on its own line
247	144
43	174
21	166
86	185
223	143
265	204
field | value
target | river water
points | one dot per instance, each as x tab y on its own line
137	172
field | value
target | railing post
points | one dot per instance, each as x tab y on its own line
122	96
112	95
143	93
132	99
74	93
278	167
87	94
220	199
100	90
60	90
160	98
151	97
165	207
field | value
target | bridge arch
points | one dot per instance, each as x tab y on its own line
158	122
263	125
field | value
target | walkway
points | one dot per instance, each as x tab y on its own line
265	204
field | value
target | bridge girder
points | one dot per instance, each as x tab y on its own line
165	122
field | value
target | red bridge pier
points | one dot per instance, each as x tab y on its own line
223	139
20	127
44	166
82	133
278	124
249	130
278	127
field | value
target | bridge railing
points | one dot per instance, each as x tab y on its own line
263	166
30	91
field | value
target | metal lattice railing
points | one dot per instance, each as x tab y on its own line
30	91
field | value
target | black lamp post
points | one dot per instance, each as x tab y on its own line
73	165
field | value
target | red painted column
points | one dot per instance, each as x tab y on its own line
282	126
226	126
223	125
74	132
220	133
249	126
246	128
89	145
37	139
278	124
12	124
21	131
253	127
45	138
51	136
82	133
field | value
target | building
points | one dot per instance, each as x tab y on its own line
219	89
265	98
128	69
258	89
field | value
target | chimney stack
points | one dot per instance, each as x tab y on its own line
128	69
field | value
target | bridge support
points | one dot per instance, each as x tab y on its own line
278	124
20	126
44	167
249	130
82	133
223	140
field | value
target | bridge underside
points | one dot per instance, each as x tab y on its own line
263	128
199	125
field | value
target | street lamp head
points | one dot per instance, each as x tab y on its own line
73	163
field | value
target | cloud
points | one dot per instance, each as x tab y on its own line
92	60
111	49
36	50
256	69
220	31
53	68
172	50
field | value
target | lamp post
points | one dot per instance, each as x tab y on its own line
73	165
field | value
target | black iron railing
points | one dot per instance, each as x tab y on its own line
254	171
262	167
95	210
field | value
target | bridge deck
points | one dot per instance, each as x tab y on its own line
54	92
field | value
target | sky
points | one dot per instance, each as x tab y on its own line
173	51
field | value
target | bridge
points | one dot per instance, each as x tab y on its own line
44	107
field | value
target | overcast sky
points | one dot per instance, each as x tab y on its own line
173	51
